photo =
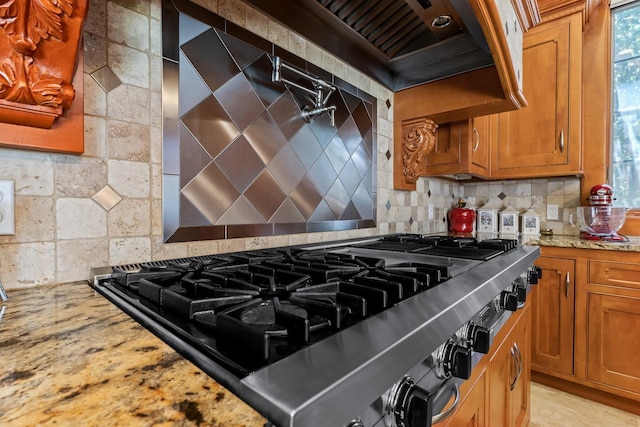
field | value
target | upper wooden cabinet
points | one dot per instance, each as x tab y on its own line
544	139
479	92
462	149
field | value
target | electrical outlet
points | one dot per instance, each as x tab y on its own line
7	208
431	214
552	212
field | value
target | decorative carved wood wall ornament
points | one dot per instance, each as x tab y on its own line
418	140
39	42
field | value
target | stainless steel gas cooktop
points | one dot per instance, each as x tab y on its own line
312	335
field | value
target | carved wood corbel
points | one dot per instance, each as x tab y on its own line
39	41
418	140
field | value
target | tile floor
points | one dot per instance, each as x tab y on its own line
554	408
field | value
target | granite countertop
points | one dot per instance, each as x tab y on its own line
68	357
575	242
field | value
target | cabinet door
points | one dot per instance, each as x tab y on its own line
502	374
544	138
552	303
480	144
472	412
613	351
509	376
521	393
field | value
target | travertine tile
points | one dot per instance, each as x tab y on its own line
140	6
278	34
33	221
31	171
233	10
28	264
95	98
130	179
128	141
95	52
130	65
202	248
129	250
96	22
258	23
130	217
161	250
76	257
80	219
127	27
155	9
231	245
79	176
95	136
129	103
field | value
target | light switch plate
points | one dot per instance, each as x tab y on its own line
7	208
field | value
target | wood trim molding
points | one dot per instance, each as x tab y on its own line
418	140
38	55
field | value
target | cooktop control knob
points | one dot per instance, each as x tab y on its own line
479	338
539	271
509	300
454	360
533	275
408	405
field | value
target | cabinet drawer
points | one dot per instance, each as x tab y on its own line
614	274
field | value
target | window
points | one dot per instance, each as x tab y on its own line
625	141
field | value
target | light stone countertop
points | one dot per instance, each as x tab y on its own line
575	242
68	357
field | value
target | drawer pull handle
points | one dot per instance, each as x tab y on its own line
567	282
562	141
475	132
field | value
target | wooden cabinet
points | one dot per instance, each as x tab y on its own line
509	381
498	393
613	322
472	412
552	324
461	149
544	139
595	354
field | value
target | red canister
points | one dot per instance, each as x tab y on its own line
461	220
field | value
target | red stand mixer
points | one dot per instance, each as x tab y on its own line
601	221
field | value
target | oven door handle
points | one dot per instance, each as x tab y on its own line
451	409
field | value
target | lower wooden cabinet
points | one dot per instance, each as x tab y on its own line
552	316
509	381
473	411
603	331
498	393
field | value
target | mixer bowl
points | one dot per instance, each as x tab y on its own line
601	220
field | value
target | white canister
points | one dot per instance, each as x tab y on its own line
509	221
530	222
487	219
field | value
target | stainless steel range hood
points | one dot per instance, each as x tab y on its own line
400	43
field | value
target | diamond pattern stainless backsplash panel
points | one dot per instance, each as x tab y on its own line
247	163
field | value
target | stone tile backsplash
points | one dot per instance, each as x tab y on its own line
535	194
105	207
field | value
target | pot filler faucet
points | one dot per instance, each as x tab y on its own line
3	294
318	96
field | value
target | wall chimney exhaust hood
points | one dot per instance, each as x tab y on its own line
399	43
